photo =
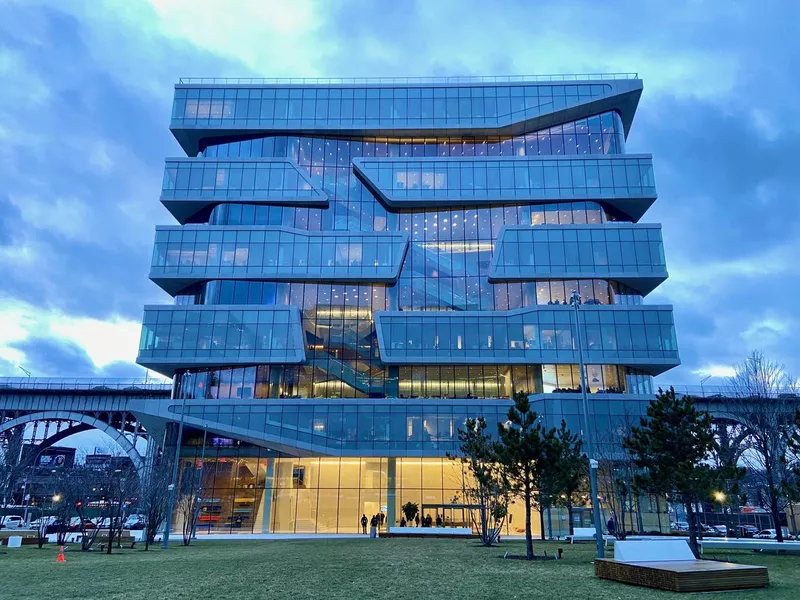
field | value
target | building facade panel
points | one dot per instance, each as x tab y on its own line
641	336
192	186
187	255
183	337
201	112
623	252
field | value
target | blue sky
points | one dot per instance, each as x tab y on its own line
85	104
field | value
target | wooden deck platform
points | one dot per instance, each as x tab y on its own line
684	575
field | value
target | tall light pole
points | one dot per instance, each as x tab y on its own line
702	381
24	370
168	520
575	301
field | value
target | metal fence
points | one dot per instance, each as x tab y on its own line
404	80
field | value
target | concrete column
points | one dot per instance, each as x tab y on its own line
391	492
266	509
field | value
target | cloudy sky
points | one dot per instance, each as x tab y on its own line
85	102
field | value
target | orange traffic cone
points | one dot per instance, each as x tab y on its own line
61	558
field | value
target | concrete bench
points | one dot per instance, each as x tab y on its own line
586	534
440	532
749	544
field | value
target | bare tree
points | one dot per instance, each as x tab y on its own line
84	484
11	466
119	486
762	405
615	477
188	500
154	497
483	481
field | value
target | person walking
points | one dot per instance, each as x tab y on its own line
364	524
416	519
438	520
373	526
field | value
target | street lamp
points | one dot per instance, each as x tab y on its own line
719	497
575	301
56	497
171	487
702	381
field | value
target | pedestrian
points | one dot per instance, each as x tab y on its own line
416	519
364	524
373	526
402	521
381	518
438	520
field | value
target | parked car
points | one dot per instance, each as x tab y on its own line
12	522
135	521
680	526
771	534
708	529
745	531
721	529
105	522
75	524
43	522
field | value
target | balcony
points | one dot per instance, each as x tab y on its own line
623	182
204	112
192	187
623	252
636	336
193	253
178	337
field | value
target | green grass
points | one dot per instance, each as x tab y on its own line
338	569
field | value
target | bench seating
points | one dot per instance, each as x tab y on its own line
436	532
586	534
749	544
670	565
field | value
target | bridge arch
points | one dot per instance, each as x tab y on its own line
91	422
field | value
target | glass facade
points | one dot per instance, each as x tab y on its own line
342	107
630	253
483	180
186	255
366	266
612	335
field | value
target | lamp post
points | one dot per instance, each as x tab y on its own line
702	381
575	301
171	505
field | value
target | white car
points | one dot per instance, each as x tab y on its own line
134	521
12	522
771	534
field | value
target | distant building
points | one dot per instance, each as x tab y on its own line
359	266
108	461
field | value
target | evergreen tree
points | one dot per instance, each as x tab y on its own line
525	450
671	445
571	470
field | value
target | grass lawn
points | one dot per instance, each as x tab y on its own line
338	569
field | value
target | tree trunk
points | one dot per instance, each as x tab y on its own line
569	516
691	518
528	535
769	471
541	525
549	522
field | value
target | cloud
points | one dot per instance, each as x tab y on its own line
87	96
50	343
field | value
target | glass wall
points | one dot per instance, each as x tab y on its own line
634	251
538	335
447	180
255	253
418	381
268	178
341	107
243	492
192	333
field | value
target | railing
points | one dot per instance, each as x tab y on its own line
403	80
724	391
84	384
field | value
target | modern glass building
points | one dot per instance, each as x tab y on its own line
359	266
